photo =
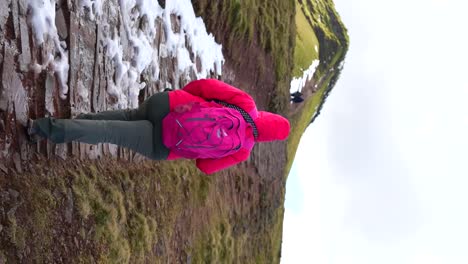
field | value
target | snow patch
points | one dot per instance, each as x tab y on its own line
42	20
298	83
93	6
139	22
60	66
125	86
202	44
151	10
143	51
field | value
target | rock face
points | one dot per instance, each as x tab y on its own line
61	58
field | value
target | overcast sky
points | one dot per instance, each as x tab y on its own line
382	175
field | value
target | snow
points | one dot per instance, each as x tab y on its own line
203	44
143	52
60	66
151	10
192	42
298	83
42	20
94	7
144	55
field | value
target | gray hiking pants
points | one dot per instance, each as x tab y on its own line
137	129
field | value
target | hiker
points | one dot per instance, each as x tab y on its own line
208	120
296	97
296	94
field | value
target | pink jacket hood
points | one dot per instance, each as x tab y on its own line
271	127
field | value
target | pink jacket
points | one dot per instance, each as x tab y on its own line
209	89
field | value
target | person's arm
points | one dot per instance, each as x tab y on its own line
210	89
209	166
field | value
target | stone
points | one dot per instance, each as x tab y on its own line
3	168
69	207
24	151
15	13
2	258
4	11
17	162
61	25
25	56
61	151
13	193
5	197
23	7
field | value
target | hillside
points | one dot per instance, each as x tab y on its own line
77	203
303	31
334	42
321	31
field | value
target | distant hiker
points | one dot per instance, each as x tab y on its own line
296	93
208	120
296	97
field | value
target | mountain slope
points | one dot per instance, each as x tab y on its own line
245	50
106	204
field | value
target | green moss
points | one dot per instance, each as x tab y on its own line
216	244
102	202
141	232
202	188
84	259
307	44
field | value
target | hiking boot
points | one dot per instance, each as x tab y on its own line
32	132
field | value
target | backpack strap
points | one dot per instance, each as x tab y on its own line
244	114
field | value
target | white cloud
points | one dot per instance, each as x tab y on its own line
383	168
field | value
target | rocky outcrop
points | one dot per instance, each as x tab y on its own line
60	58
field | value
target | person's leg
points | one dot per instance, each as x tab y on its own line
135	135
141	113
121	114
157	107
154	109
